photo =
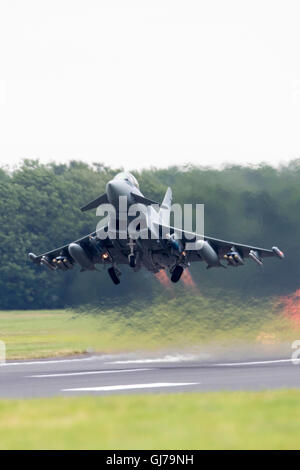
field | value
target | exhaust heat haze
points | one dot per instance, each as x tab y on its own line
291	306
188	281
162	277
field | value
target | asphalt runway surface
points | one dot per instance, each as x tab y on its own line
116	374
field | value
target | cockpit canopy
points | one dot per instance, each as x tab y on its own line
129	178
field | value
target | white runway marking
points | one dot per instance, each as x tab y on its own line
179	358
90	372
51	361
253	362
111	388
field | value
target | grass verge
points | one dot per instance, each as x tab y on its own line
219	420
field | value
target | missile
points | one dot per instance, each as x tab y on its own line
61	265
238	258
234	258
80	256
255	256
68	263
64	262
45	261
277	252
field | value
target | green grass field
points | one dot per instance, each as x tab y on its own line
230	420
181	322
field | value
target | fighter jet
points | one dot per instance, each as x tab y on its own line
149	242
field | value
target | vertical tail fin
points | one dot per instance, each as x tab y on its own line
165	208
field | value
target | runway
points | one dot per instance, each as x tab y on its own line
115	374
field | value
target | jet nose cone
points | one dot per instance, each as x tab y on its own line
119	193
111	186
112	191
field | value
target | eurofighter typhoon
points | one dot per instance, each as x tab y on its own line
147	241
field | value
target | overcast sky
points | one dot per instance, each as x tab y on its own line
149	83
